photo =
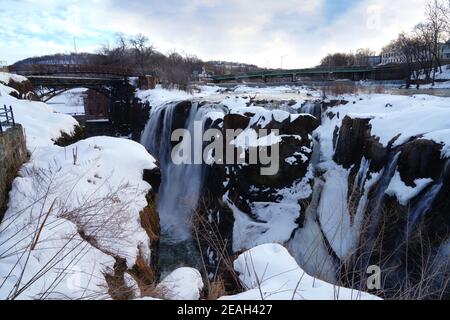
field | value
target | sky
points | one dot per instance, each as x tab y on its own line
252	31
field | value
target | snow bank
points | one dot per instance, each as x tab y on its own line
397	188
393	118
444	75
7	77
270	273
84	201
160	96
182	284
70	102
442	137
234	98
276	220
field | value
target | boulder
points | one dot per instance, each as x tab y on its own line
420	159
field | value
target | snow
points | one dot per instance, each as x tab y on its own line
442	137
160	96
437	85
249	138
390	116
70	102
403	192
234	98
444	75
7	77
269	272
182	284
82	201
100	195
276	221
42	126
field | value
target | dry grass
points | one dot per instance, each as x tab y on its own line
220	278
150	220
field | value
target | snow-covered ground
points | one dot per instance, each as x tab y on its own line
444	75
269	272
5	78
42	125
70	102
72	210
443	78
393	118
234	98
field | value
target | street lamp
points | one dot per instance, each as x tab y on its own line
282	57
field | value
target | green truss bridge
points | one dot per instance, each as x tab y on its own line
353	73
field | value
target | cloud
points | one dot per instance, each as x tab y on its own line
253	31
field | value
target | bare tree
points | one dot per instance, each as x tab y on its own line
142	51
438	21
362	56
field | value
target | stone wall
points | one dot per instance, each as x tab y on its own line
13	153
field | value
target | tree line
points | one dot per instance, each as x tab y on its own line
421	48
360	58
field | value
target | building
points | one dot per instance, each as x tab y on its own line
373	61
445	51
392	57
395	57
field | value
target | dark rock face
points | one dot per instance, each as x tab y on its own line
13	154
153	177
352	141
180	115
420	159
235	121
25	90
244	184
401	239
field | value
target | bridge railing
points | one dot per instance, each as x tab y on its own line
279	73
6	118
49	69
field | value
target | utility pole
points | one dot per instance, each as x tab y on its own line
282	57
75	45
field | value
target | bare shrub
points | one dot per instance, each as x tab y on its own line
100	225
207	235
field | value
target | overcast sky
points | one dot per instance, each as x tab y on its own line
252	31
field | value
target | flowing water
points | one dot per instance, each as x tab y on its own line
180	186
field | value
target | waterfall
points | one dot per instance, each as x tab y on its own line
181	184
426	201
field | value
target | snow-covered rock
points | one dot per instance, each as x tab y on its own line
6	77
182	284
85	201
73	212
269	272
42	125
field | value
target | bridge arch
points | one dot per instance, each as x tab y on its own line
54	92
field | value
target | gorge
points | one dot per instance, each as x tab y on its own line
363	181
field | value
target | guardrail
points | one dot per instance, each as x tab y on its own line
6	118
51	69
308	71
